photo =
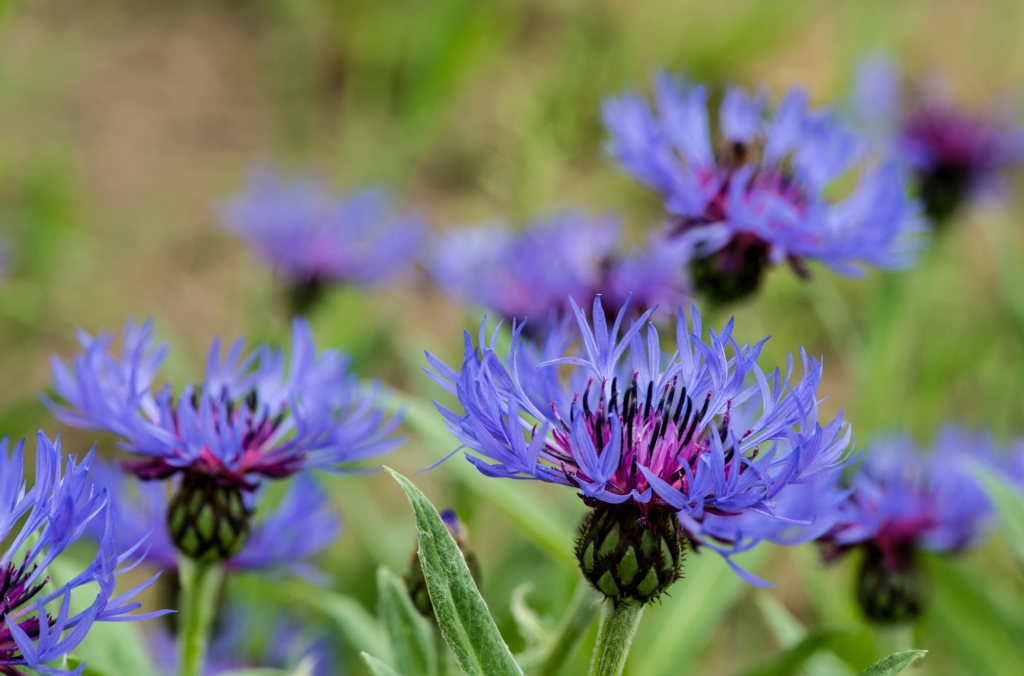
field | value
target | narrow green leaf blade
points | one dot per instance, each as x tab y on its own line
1010	505
893	664
377	667
70	663
462	614
355	623
411	643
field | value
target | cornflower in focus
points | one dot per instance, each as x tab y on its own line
252	418
656	446
532	272
313	238
953	155
241	643
37	626
301	525
761	192
906	501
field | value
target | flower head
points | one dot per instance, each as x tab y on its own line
952	154
38	524
312	237
302	524
757	195
252	417
905	501
532	273
698	433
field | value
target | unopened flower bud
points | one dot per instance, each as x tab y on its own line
625	559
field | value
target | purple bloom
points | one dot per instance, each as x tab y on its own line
240	641
757	196
313	237
38	524
303	524
252	417
951	153
906	501
700	433
925	501
532	273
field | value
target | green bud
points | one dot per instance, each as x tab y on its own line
891	589
625	560
207	518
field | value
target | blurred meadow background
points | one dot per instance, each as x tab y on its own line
125	124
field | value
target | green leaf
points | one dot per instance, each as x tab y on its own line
256	672
789	632
355	623
462	614
411	641
893	664
548	528
793	659
377	667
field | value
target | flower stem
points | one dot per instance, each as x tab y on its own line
614	637
200	584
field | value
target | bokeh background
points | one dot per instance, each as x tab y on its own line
125	124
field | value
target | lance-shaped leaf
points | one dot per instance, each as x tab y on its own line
462	614
377	667
411	643
893	664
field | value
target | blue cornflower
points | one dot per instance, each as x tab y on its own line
303	524
951	153
312	237
251	418
241	642
906	501
697	434
532	272
761	193
38	524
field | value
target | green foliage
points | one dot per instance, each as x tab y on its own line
377	667
461	612
893	664
355	623
412	645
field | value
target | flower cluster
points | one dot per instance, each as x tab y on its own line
952	154
757	196
38	524
700	434
312	238
302	524
252	416
533	272
903	502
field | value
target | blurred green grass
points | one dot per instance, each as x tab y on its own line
124	122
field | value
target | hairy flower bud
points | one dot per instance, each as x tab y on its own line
417	584
627	556
207	518
891	587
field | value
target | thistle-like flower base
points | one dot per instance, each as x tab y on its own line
208	519
625	560
732	273
891	589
